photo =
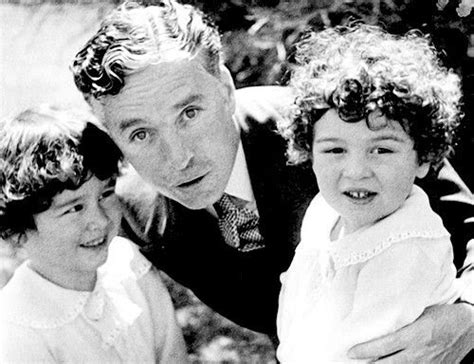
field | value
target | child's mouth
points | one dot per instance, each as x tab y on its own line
94	243
360	196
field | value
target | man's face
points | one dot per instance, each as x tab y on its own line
364	174
173	122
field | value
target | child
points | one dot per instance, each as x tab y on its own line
373	112
83	295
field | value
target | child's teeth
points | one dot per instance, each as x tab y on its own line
94	242
359	194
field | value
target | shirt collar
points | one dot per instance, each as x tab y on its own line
239	182
414	219
35	302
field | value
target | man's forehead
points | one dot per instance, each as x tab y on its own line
166	67
163	76
163	84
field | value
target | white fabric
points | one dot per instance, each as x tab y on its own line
239	181
239	184
364	285
468	274
127	318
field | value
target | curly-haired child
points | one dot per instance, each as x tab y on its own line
83	295
373	112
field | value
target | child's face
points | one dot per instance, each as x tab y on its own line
72	237
363	174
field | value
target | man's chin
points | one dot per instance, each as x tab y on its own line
197	204
197	198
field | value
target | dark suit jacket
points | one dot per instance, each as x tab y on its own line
244	287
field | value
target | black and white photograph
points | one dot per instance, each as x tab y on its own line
237	181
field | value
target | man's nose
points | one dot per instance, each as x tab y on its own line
357	166
177	150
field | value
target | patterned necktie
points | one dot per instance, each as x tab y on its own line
238	225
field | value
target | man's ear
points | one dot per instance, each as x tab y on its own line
423	170
97	109
226	79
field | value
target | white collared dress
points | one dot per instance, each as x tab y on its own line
127	318
364	285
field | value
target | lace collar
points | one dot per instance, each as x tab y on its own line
415	219
32	301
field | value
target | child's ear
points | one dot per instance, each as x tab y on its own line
20	239
16	240
423	170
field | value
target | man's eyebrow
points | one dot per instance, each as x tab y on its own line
128	123
187	100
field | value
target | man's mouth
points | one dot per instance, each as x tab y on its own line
360	196
95	243
191	182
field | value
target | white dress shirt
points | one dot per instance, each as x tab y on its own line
239	185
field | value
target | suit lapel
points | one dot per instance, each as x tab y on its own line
282	192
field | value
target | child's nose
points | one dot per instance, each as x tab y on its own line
357	166
98	219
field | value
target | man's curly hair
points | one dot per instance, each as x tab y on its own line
43	151
359	69
136	35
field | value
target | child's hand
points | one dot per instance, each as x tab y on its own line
443	334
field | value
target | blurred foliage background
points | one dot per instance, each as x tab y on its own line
258	36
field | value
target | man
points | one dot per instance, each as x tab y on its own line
211	157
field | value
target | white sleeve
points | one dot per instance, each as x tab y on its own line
169	341
467	276
395	287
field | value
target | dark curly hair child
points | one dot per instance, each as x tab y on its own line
373	112
83	294
43	151
358	69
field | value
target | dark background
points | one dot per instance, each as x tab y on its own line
258	37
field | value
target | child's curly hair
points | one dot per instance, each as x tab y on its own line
43	151
362	68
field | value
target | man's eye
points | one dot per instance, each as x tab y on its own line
190	113
139	135
334	151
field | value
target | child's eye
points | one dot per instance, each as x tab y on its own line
381	150
73	209
107	193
